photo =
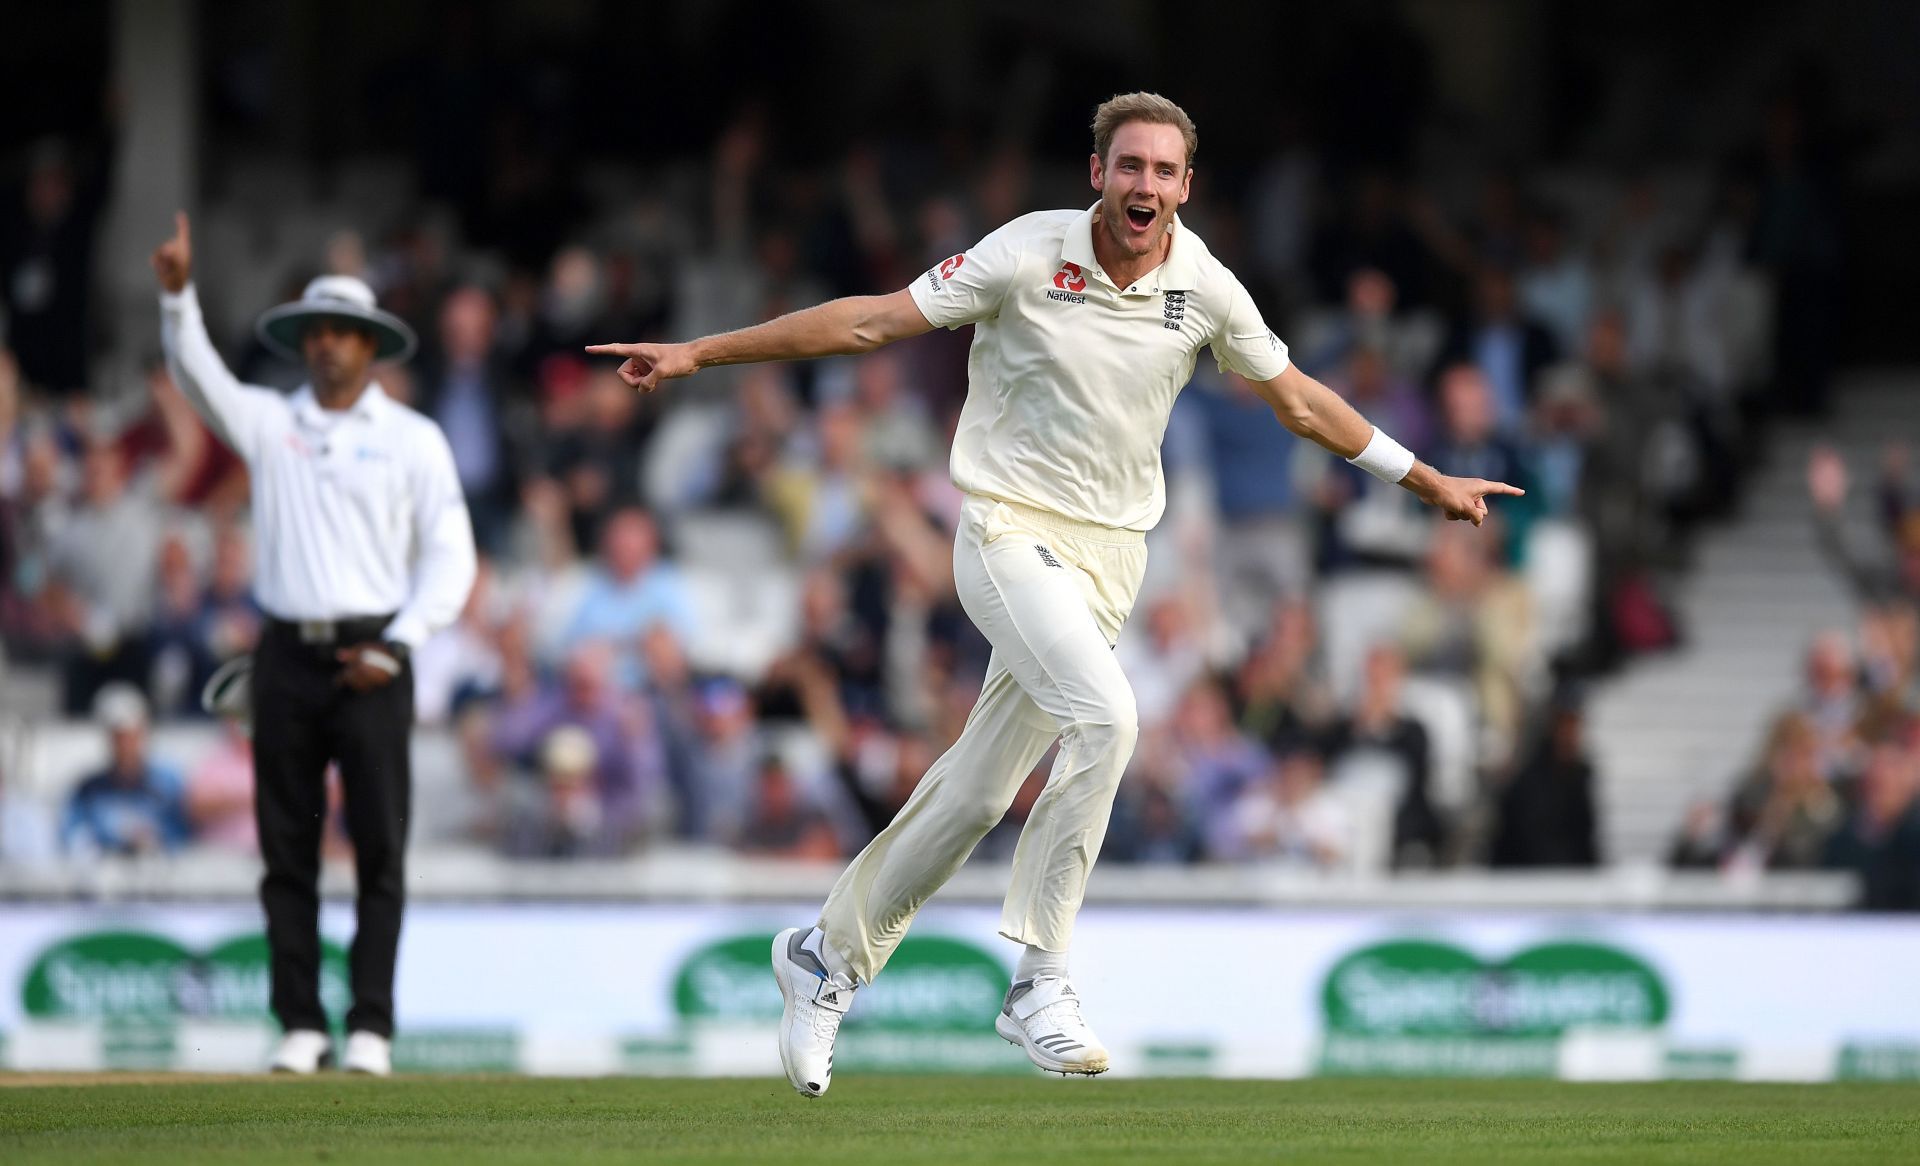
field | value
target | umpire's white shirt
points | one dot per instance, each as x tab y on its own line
1071	378
356	513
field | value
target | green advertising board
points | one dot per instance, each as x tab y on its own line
1423	1006
932	1011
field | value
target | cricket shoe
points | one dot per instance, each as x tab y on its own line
304	1051
814	1002
1042	1016
370	1053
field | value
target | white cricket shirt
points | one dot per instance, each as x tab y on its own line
355	513
1071	378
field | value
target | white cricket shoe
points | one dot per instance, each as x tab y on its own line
814	1003
303	1051
369	1053
1042	1016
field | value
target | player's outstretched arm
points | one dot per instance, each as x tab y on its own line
1313	411
840	327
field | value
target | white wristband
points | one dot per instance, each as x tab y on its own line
1384	458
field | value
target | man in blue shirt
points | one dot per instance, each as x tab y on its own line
628	592
133	806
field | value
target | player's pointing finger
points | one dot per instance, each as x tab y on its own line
1486	488
611	349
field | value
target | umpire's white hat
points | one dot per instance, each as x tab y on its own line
340	297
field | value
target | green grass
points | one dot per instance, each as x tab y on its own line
468	1121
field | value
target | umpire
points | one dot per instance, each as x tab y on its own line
365	550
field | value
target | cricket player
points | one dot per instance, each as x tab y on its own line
1087	324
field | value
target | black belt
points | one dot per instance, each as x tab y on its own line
330	633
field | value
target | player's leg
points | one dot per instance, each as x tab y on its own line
963	796
289	692
1056	604
369	733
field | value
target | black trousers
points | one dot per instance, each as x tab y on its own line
303	717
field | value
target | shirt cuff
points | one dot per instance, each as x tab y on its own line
408	629
186	297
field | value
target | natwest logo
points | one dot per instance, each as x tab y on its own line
949	266
1068	278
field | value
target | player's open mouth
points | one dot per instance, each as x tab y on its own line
1140	216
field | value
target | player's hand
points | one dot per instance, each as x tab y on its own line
649	364
365	667
1465	499
173	259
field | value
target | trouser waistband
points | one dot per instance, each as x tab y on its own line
1091	531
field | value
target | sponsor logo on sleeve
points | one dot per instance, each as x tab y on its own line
944	272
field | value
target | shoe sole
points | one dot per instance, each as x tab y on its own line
1015	1035
326	1061
786	1012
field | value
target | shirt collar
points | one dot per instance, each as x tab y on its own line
367	408
1179	272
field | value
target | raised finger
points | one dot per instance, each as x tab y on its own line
1485	488
612	349
181	231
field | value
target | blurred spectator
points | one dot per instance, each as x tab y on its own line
1211	761
463	661
1546	811
464	389
1474	620
1362	520
1378	730
895	431
821	494
219	799
135	805
626	762
1832	702
106	558
597	463
1568	466
1556	281
629	591
1371	319
1151	827
838	659
1162	656
1877	571
1475	442
47	242
1508	348
1287	817
781	822
558	813
1881	838
173	647
1782	815
1260	543
1281	688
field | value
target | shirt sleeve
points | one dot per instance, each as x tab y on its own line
1244	343
969	287
444	559
232	410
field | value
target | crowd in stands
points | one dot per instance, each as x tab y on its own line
1836	782
724	613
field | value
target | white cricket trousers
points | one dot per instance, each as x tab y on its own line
1051	595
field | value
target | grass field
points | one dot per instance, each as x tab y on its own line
470	1121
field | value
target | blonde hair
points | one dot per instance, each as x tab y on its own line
1152	108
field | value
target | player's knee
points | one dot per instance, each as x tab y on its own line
1111	727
